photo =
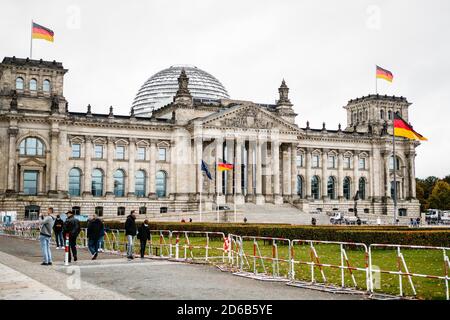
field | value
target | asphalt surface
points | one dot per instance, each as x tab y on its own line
113	277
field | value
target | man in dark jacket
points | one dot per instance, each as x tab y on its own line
130	232
143	235
58	230
94	229
72	228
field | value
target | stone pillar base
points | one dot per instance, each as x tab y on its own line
109	195
220	199
260	200
250	198
87	195
152	196
239	199
277	199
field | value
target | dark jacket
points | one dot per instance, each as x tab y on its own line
72	227
94	229
144	232
130	226
58	225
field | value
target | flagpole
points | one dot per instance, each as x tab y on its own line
201	189
376	80
31	40
395	174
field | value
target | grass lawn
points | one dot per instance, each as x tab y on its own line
420	261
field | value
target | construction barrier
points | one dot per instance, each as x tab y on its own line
411	279
265	258
195	246
338	267
160	244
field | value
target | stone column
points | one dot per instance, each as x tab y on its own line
229	174
219	155
238	171
355	173
308	174
325	194
340	183
131	167
276	171
259	196
12	165
387	179
152	173
87	190
198	163
294	172
287	171
53	160
250	164
412	175
109	167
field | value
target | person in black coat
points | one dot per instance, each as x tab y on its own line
143	235
58	230
72	228
130	232
94	229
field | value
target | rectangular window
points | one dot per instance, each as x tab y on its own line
76	210
141	153
120	152
98	151
315	161
162	154
362	163
121	211
30	182
347	163
76	150
142	210
299	160
99	211
331	162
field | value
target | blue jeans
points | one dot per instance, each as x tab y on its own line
101	242
130	246
45	248
93	246
59	239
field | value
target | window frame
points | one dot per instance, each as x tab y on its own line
102	152
120	155
159	154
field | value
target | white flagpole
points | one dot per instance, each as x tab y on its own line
201	189
31	40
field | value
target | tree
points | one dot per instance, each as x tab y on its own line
447	179
440	196
424	205
428	185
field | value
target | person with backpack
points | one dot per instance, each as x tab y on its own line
143	236
94	229
45	235
72	229
130	233
58	230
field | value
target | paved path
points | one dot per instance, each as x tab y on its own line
113	277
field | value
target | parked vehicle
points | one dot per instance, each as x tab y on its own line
339	218
433	216
445	217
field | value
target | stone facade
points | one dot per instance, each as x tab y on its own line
110	164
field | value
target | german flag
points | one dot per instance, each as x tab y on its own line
224	166
403	129
384	74
40	32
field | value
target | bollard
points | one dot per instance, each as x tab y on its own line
66	251
177	243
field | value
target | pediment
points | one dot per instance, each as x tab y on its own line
32	162
248	117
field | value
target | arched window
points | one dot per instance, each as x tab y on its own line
46	86
33	85
362	188
315	187
119	183
75	182
161	184
31	146
391	163
346	186
19	83
332	188
140	183
389	115
97	183
382	114
300	186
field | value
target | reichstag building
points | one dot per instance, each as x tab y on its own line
150	159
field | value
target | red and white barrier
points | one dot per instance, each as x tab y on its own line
66	250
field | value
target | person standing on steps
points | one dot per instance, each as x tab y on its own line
143	235
130	233
58	230
72	228
45	235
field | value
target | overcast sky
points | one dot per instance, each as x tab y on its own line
326	51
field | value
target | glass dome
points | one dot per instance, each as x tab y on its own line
160	88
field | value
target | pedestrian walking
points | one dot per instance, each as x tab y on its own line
72	229
58	231
143	236
130	232
101	240
94	229
45	235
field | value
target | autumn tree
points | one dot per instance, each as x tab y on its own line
440	196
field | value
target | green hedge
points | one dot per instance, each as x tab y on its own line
362	234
